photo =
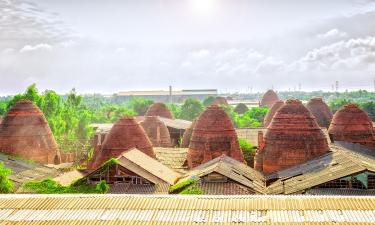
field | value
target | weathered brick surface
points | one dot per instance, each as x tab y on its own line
125	134
293	137
321	111
271	113
269	98
156	131
213	135
187	135
220	101
159	109
352	124
25	132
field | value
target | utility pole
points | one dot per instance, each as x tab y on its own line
337	85
170	94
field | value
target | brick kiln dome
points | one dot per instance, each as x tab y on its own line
241	108
156	131
159	109
220	101
293	137
187	135
125	134
271	113
24	132
321	111
269	98
352	124
213	135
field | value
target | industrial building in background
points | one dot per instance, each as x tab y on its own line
175	96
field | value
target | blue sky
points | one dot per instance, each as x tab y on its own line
114	45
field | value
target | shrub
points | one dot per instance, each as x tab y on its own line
181	185
102	187
248	149
6	185
192	190
49	186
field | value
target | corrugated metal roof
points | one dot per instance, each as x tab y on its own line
122	188
338	163
137	161
176	123
338	191
162	209
103	128
174	158
23	171
232	169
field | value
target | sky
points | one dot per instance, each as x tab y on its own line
107	46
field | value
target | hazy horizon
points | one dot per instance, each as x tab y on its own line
111	46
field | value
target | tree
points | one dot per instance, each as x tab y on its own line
208	101
191	109
338	103
369	107
140	105
6	185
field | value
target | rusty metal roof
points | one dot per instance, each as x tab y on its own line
103	128
176	123
176	209
23	171
174	158
147	167
232	169
338	163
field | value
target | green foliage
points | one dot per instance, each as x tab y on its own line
208	101
191	109
192	190
140	105
338	103
248	149
6	185
49	186
178	187
175	110
3	107
102	187
253	118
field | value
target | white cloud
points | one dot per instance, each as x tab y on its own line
200	54
333	34
352	54
30	48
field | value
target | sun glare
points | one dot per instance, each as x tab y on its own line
202	7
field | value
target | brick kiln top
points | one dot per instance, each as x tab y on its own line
220	101
24	132
241	108
352	124
125	134
269	98
213	135
159	109
187	135
271	113
293	137
321	111
156	131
